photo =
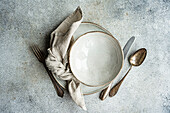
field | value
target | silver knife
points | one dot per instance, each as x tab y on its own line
126	48
128	45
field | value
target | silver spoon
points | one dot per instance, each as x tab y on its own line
135	60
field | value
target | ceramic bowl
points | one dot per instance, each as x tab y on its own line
95	58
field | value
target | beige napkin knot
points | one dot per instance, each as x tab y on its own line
57	60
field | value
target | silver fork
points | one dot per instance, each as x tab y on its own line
40	56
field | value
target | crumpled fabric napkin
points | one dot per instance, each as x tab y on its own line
57	60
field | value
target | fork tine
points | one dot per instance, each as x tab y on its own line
35	52
40	52
35	49
32	47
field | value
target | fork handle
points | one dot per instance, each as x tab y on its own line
58	89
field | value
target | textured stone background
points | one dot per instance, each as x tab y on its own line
24	84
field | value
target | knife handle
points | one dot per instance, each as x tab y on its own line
58	89
104	93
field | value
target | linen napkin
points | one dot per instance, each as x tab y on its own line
57	60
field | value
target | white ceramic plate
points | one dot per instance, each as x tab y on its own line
83	28
96	58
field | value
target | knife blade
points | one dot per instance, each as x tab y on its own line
126	48
128	45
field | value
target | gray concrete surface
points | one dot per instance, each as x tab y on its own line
24	84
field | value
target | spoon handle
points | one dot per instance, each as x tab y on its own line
115	89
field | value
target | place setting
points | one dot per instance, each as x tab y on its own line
84	58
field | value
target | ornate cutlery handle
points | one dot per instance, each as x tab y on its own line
115	89
58	89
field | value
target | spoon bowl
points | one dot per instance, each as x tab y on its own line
138	57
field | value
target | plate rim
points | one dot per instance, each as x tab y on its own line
121	54
86	22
